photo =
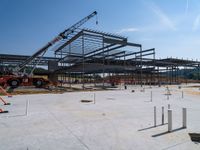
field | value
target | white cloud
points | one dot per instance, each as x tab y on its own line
164	19
125	30
196	23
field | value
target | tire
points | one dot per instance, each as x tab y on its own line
14	83
38	83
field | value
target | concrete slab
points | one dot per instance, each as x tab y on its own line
119	120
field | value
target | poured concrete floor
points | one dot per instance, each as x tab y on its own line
117	120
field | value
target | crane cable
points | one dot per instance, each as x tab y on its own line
97	20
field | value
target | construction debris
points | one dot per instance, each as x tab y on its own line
195	137
86	101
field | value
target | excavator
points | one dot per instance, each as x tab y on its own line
19	79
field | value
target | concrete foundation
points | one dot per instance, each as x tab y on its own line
119	120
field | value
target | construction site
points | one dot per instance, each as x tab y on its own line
98	91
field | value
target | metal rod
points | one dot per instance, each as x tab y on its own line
141	66
27	105
184	118
154	116
103	64
94	98
83	64
169	120
182	95
162	115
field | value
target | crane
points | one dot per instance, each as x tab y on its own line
62	35
17	80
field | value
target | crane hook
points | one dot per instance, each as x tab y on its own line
97	20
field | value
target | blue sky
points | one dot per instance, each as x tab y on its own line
170	26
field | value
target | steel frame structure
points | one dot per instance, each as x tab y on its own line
8	59
94	52
88	53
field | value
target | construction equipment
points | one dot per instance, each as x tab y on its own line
3	111
62	35
14	81
4	102
26	80
2	91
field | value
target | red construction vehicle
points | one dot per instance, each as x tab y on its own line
16	79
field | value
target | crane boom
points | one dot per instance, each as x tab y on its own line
62	35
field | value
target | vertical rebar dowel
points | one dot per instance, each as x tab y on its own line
162	115
168	106
154	116
169	120
182	94
151	96
184	118
167	96
94	98
27	105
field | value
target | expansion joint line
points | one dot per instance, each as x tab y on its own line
68	129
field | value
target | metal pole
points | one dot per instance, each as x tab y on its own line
154	65
169	120
27	105
182	95
70	77
125	87
198	72
141	66
103	64
167	96
83	63
94	98
184	118
162	115
159	82
154	116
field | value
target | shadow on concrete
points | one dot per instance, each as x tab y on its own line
163	133
152	127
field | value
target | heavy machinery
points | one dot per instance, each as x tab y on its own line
14	81
19	79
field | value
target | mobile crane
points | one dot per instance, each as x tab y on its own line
18	80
